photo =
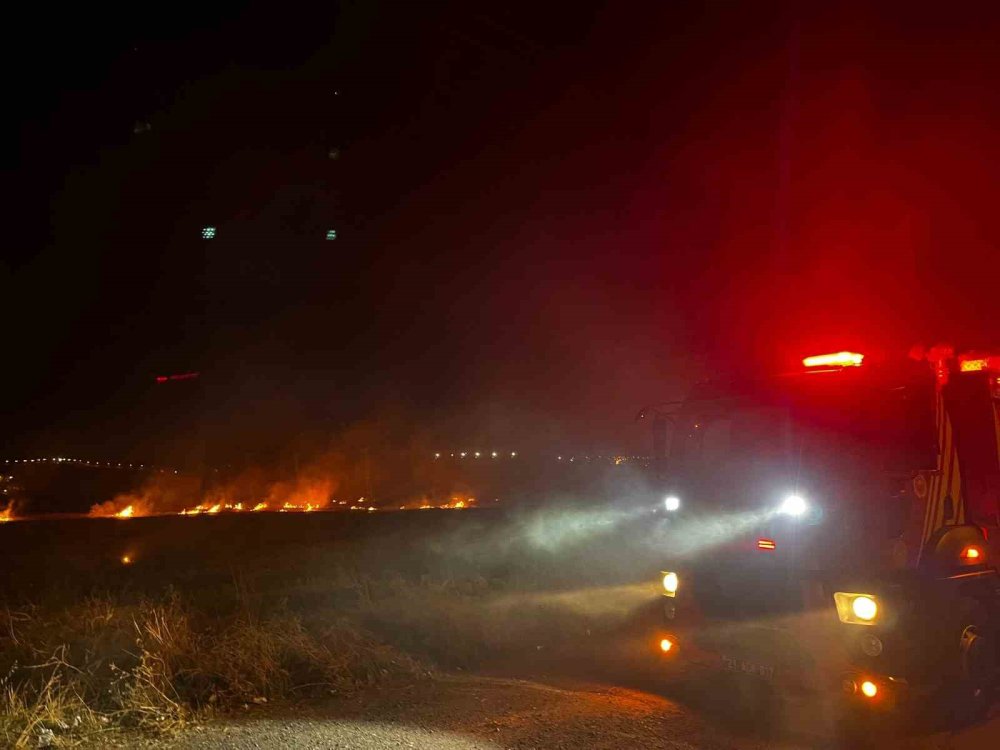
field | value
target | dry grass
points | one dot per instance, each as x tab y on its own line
73	674
288	608
76	671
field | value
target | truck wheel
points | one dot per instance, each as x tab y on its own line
966	698
976	690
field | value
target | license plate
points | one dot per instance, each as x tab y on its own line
748	667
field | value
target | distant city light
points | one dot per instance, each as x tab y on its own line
331	234
208	233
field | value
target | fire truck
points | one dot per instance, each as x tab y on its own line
841	525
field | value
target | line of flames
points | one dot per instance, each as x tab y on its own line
130	511
212	509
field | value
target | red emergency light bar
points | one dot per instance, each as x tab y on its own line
837	359
766	544
978	363
178	376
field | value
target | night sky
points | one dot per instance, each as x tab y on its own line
545	217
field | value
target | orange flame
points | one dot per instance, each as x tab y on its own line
458	503
123	506
215	508
303	507
7	514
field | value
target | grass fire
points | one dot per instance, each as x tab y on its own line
190	618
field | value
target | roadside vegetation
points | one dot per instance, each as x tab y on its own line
179	631
103	665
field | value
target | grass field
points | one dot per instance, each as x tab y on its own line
149	622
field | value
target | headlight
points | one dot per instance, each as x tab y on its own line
794	505
864	608
670	583
672	502
856	609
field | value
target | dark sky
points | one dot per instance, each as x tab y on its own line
546	216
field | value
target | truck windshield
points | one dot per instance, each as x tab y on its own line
814	433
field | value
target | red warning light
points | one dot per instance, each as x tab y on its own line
766	544
177	376
972	553
837	359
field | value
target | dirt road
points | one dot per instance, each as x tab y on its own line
484	713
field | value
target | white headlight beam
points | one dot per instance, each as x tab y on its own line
794	505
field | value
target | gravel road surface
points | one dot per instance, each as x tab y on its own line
486	713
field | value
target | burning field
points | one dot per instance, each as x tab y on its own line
156	620
317	487
177	595
126	507
248	492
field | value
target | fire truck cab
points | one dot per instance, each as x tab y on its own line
854	511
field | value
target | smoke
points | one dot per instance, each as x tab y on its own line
694	535
312	488
126	504
579	544
597	602
302	491
554	530
159	493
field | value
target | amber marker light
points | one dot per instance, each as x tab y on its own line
837	359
